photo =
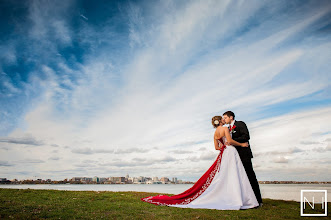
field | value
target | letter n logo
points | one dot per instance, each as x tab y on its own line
314	203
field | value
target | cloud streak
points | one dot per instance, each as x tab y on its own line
96	151
23	140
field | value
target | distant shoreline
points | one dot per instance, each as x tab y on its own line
294	182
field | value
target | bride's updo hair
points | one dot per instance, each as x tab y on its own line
216	121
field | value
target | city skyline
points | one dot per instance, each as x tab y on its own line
131	180
119	87
109	180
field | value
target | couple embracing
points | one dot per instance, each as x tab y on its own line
230	183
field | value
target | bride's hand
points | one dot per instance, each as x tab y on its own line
244	144
227	143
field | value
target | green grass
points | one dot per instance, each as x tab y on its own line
56	204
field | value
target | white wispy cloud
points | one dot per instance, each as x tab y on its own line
47	22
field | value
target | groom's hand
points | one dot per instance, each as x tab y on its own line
244	144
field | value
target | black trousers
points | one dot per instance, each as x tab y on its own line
252	179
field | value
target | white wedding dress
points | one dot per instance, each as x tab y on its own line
227	187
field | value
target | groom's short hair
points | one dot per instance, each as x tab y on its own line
229	114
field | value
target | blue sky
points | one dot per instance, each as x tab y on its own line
108	88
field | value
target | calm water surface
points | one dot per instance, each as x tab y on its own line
272	191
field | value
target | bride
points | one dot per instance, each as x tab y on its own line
224	186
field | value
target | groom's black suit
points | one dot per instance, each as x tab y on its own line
241	135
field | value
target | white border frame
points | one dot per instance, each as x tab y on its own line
326	203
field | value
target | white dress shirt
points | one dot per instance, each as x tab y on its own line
233	123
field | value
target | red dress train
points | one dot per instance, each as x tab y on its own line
192	193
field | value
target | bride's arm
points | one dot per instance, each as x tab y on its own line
216	144
217	147
231	141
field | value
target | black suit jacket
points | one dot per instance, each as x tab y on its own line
241	135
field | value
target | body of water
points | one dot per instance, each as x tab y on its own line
272	191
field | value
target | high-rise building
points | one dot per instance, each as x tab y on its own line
117	179
164	179
86	179
102	179
96	179
76	179
141	179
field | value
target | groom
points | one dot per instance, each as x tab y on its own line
240	134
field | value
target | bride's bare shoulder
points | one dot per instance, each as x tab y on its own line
220	129
223	130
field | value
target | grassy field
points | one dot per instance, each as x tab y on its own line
56	204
